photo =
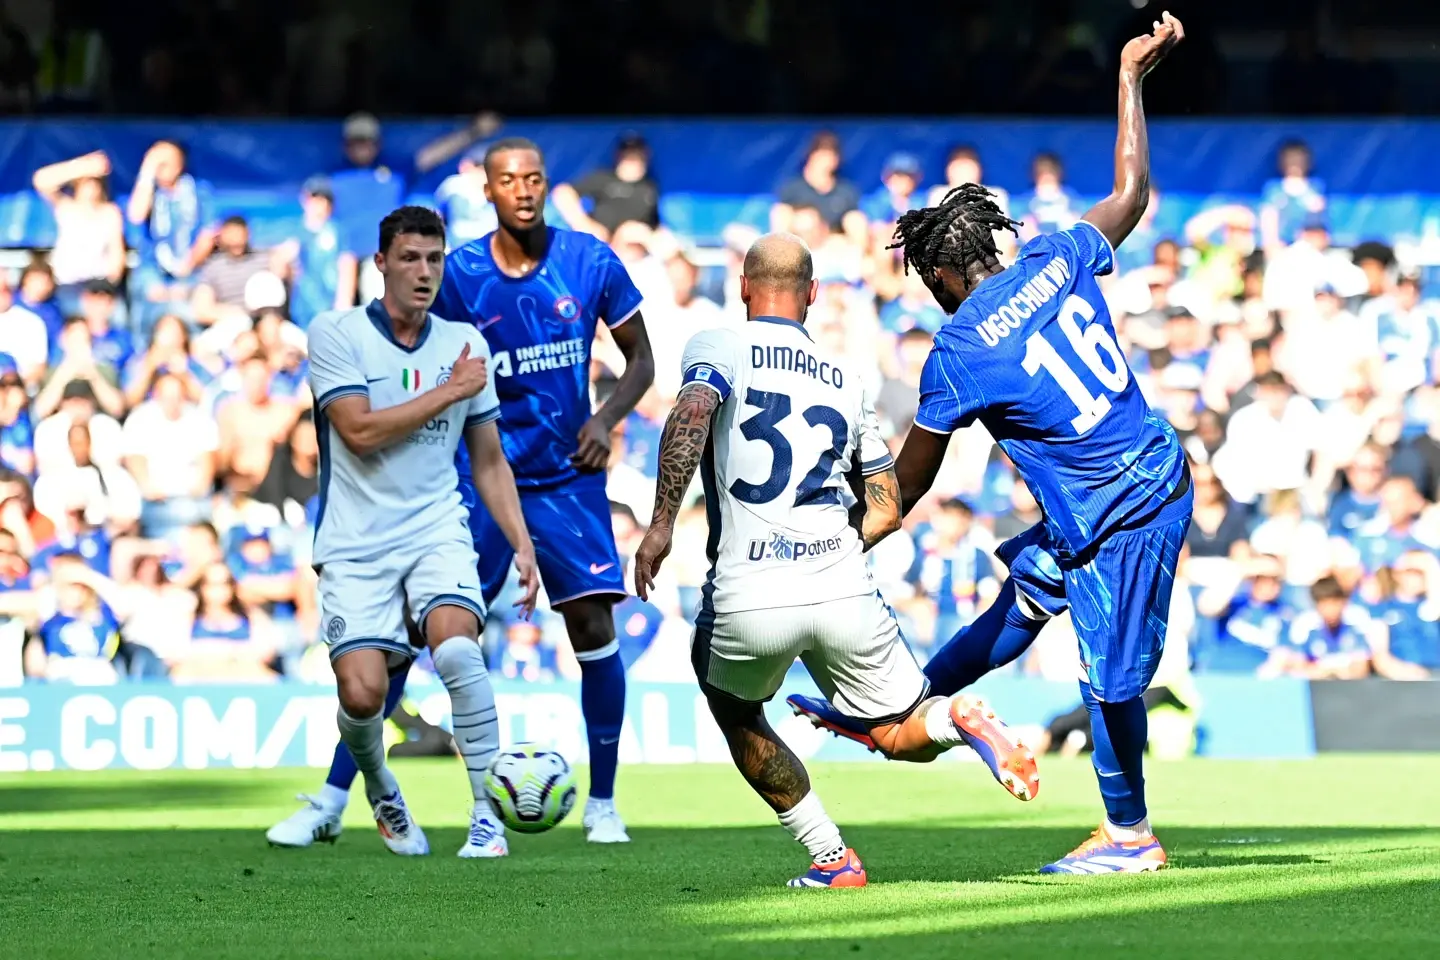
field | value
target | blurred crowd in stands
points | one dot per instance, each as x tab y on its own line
160	459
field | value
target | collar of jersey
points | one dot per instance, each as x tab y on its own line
379	316
785	323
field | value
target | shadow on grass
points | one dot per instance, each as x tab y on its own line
197	790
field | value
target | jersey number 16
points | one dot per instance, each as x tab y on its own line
1095	348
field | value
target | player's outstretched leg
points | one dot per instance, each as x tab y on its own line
452	633
1124	843
591	625
774	772
319	818
940	723
363	682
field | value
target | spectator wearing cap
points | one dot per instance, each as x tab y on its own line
77	407
89	229
461	199
1050	206
1408	334
625	191
820	187
1327	347
17	430
170	449
23	337
899	193
1292	199
368	184
321	267
77	362
174	210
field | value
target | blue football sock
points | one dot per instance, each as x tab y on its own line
342	767
1119	731
997	636
602	702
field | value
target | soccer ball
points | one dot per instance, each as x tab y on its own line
532	788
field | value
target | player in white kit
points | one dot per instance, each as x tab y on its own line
395	391
784	435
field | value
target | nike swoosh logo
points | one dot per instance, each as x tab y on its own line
375	379
606	743
596	568
489	321
461	586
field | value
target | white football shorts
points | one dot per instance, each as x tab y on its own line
363	603
852	647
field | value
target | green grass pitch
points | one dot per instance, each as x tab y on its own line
1336	857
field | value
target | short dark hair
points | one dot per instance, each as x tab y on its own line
916	335
1327	588
37	265
421	221
506	144
1272	378
964	150
235	220
618	509
958	233
957	505
1295	143
74	321
1049	158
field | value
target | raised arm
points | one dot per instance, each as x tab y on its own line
50	180
1118	213
682	443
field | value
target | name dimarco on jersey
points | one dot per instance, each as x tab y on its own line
1028	299
795	361
541	356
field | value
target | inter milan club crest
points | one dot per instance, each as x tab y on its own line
443	378
335	629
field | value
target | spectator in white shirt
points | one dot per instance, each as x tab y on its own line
52	435
170	450
1327	346
676	323
1269	442
1294	274
22	335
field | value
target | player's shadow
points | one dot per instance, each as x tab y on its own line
36	795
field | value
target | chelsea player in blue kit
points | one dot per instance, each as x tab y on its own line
1030	353
536	293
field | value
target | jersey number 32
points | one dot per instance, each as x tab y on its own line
814	487
1095	348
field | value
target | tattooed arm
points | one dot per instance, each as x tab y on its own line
882	507
687	430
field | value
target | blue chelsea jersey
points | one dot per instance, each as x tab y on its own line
540	328
1032	355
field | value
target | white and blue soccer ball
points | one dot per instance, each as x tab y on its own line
532	787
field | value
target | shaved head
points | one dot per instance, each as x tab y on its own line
780	260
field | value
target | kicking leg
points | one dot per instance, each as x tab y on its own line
778	776
941	723
453	635
591	626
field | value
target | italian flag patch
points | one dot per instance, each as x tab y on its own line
410	380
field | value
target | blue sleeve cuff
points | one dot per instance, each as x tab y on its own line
346	390
878	465
704	373
475	420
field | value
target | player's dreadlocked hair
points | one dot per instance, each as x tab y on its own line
958	232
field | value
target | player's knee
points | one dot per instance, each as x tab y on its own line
590	628
448	621
362	695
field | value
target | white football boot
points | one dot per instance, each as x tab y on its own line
486	839
312	822
603	824
402	835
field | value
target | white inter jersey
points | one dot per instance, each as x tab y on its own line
793	422
370	506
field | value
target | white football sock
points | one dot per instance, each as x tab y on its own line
365	736
808	822
333	798
598	805
940	727
461	665
1136	831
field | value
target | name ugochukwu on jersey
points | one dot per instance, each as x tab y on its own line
1031	354
371	505
792	423
540	328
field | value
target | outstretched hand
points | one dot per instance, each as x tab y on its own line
1143	53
